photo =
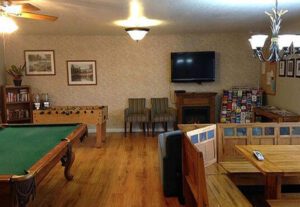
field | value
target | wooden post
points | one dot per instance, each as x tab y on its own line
100	134
273	187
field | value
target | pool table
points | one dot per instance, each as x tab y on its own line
29	152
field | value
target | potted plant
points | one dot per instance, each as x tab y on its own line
16	72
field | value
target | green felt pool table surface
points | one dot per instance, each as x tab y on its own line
23	145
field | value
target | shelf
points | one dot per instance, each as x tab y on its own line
18	120
12	103
16	87
16	102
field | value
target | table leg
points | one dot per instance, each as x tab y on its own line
67	161
273	187
103	131
99	135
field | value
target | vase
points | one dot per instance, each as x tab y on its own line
17	82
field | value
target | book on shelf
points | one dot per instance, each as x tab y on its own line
22	96
14	114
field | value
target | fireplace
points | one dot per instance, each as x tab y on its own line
195	114
195	107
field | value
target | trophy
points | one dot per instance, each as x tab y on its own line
46	101
37	103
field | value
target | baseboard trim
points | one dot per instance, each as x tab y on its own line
115	130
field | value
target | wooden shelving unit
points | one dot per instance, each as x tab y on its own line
16	104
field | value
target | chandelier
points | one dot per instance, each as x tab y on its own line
282	47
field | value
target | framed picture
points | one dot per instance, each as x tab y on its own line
39	62
282	68
290	68
82	72
297	68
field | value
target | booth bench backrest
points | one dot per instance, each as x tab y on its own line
230	135
205	140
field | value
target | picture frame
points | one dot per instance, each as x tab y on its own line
282	68
39	62
81	72
290	68
297	68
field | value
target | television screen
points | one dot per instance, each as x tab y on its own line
193	66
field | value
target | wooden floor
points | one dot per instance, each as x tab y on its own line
125	173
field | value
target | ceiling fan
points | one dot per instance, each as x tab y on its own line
17	8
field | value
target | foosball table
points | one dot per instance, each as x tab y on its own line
94	115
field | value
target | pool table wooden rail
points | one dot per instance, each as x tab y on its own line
62	152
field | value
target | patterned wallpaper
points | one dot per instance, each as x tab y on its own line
287	94
2	71
129	69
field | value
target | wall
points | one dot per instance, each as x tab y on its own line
129	69
2	71
287	94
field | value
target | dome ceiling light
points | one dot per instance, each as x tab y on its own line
137	24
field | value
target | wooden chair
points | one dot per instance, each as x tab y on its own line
136	112
161	113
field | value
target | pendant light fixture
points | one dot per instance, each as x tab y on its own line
137	33
283	47
7	25
137	25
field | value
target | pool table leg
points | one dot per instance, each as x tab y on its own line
86	134
67	161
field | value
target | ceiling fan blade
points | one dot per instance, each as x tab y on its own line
26	7
37	16
10	1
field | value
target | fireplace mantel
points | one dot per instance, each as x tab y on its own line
196	100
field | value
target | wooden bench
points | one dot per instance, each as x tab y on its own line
215	169
207	186
284	203
223	192
239	167
241	171
199	159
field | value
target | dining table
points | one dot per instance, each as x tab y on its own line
279	161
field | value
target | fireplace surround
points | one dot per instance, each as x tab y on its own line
195	107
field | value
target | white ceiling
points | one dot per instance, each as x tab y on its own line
96	17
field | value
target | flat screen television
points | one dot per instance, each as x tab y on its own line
193	66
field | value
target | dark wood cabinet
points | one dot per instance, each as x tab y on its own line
274	114
16	104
